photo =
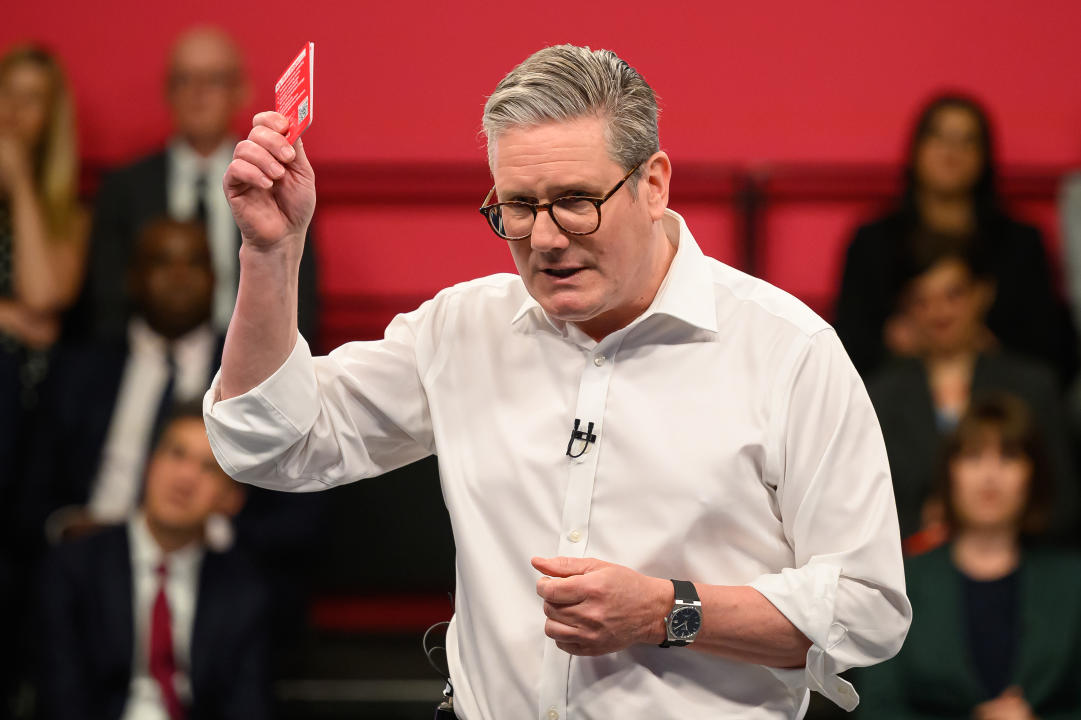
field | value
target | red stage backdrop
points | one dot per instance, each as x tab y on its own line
760	86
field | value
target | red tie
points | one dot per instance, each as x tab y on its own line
162	660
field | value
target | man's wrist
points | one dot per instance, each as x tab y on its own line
280	257
662	599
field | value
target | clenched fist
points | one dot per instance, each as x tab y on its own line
270	186
595	607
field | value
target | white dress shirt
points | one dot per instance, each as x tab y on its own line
115	493
182	591
736	445
185	167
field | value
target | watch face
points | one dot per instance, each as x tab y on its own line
686	621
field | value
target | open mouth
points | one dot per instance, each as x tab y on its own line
561	272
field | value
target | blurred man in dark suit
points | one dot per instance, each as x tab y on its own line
104	405
105	401
205	89
146	619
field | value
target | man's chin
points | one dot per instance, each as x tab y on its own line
569	312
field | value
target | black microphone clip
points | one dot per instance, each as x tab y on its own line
586	436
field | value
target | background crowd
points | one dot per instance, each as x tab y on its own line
138	581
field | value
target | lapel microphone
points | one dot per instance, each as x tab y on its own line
585	436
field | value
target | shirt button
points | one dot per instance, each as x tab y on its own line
574	536
844	690
553	714
598	360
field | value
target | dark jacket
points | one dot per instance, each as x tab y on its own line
901	394
75	411
87	641
1026	315
127	199
64	455
277	530
934	675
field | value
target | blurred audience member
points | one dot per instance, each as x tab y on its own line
206	89
146	620
42	251
1070	212
996	629
956	360
42	231
104	405
950	190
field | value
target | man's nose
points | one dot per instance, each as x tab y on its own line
546	234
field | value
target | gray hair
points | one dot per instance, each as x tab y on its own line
566	82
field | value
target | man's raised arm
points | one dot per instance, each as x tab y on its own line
270	186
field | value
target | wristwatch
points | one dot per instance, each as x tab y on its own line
684	620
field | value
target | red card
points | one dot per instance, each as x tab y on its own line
293	92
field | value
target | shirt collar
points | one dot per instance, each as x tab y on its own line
188	163
146	553
194	343
686	293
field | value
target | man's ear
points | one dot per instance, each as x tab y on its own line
658	175
232	498
986	289
241	92
133	284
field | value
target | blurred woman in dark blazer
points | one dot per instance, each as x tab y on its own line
996	629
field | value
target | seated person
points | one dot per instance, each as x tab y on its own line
950	191
996	628
145	619
103	407
1069	207
206	89
1070	223
43	233
105	403
918	399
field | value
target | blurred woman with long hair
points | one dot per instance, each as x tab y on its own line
43	230
43	237
950	190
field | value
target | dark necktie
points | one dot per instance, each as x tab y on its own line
200	200
165	401
162	658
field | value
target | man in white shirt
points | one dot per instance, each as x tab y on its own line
146	620
638	445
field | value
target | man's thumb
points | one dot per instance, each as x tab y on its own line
564	566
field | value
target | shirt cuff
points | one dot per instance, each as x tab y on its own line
253	429
807	597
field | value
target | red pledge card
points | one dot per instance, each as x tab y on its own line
293	92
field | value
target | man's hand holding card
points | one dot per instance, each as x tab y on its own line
270	184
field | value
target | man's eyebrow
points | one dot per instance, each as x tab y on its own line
581	189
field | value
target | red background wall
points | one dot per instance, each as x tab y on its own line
769	86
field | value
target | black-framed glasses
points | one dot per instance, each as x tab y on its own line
573	214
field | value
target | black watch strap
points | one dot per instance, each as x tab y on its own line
683	591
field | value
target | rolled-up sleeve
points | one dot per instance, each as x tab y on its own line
846	591
319	422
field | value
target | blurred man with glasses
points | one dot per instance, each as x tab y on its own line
205	88
669	492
